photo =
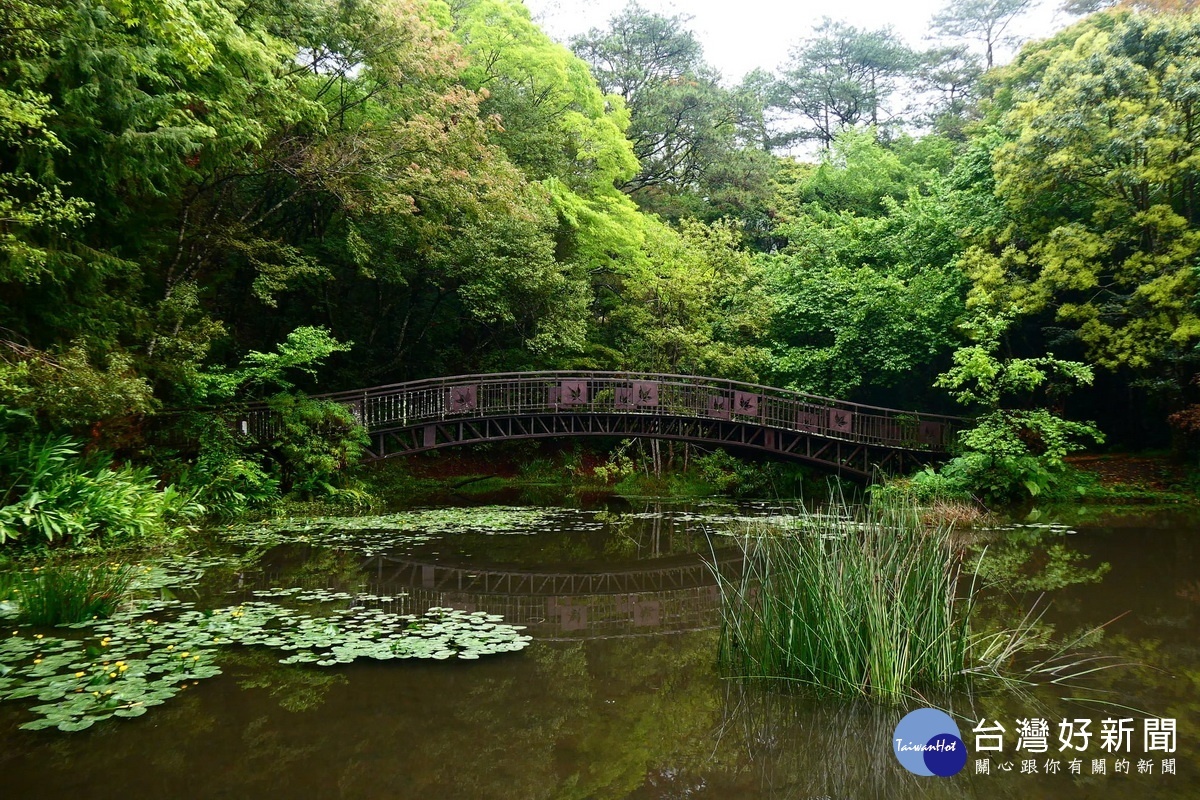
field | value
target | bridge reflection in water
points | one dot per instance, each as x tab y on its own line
430	414
679	594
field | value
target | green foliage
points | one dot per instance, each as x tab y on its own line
228	480
56	495
683	125
556	120
841	77
186	182
979	377
867	295
1098	178
693	305
1011	453
841	329
66	390
618	466
313	443
733	476
64	595
304	350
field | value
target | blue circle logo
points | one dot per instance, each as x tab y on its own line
927	742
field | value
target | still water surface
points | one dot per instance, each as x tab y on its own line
619	696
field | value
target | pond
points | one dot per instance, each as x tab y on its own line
618	694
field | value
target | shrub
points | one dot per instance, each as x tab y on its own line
226	479
731	475
315	442
56	494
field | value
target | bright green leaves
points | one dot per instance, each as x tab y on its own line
694	304
1100	175
30	207
867	293
1012	450
840	329
1010	434
978	377
176	23
303	350
555	120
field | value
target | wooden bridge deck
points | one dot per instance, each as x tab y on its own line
434	413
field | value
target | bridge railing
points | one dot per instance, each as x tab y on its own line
417	403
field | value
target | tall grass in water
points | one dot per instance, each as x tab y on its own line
862	605
63	595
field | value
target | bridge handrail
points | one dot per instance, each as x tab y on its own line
809	413
492	377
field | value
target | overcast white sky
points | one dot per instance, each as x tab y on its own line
739	35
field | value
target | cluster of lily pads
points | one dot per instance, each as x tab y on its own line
735	524
378	534
1048	528
153	650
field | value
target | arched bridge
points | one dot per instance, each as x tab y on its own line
434	413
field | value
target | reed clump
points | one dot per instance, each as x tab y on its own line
66	595
864	604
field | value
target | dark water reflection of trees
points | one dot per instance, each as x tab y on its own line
644	715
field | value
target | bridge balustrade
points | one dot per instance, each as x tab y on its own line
432	402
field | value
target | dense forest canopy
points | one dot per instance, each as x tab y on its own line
211	200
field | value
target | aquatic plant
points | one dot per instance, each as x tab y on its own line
155	648
61	595
878	604
859	605
376	534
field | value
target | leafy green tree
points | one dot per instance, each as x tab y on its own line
842	77
950	76
683	124
693	305
866	284
984	22
1097	174
31	208
1012	451
555	121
